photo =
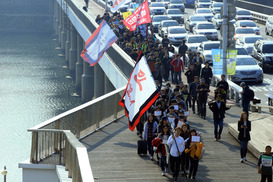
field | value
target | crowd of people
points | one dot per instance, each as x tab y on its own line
165	125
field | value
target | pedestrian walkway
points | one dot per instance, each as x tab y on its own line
113	154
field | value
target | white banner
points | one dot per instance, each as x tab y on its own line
117	4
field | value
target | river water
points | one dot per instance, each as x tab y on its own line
33	88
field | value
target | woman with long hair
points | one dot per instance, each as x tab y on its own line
185	158
244	128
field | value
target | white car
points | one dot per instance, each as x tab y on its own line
242	31
215	7
177	4
176	34
166	3
162	27
193	41
217	21
243	15
248	24
204	12
247	70
157	8
205	49
248	41
206	29
192	20
202	4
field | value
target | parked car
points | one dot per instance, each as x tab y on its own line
205	49
202	4
175	14
204	12
242	31
162	27
215	7
193	41
269	26
156	21
247	42
176	34
192	20
157	8
248	24
263	52
207	29
247	70
243	15
217	21
177	4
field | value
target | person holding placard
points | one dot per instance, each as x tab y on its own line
177	146
163	149
185	158
163	122
266	161
244	128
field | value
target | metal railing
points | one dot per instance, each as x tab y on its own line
55	141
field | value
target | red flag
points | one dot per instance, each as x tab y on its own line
140	16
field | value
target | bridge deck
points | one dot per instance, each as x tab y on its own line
113	155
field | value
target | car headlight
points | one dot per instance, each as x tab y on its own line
260	72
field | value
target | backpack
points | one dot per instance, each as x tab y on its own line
251	95
200	150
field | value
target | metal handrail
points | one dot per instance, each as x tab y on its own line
55	141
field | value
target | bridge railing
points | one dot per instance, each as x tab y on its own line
55	141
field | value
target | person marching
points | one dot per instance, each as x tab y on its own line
202	90
218	108
193	93
244	127
266	161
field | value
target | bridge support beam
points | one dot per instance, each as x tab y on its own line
99	81
67	43
56	17
72	50
79	64
59	25
63	33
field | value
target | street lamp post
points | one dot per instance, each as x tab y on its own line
4	172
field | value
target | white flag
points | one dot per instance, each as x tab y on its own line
141	92
117	4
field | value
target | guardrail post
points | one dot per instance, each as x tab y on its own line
60	153
80	123
116	106
237	97
98	113
232	94
33	152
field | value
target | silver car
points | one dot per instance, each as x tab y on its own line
205	49
193	41
202	4
175	14
247	70
243	15
248	41
215	7
269	26
204	12
192	20
156	20
157	8
176	34
206	29
162	27
177	4
217	21
248	24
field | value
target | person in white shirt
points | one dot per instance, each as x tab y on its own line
177	146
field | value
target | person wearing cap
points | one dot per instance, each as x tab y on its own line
245	97
206	73
198	61
218	108
178	67
202	91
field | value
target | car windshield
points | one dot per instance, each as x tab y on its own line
245	61
268	48
268	59
243	13
218	4
211	46
165	0
176	1
177	30
206	26
174	11
250	40
198	18
244	31
160	18
202	11
157	5
169	24
204	1
198	39
247	24
241	51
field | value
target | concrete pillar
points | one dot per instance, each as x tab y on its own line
60	24
87	82
79	64
99	81
108	86
64	33
56	18
67	43
73	50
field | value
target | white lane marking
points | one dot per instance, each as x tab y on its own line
255	89
267	80
266	95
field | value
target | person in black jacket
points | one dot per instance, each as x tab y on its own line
165	41
244	127
218	108
193	93
224	83
197	61
202	91
183	49
190	74
245	97
206	73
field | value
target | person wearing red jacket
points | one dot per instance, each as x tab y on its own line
178	67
